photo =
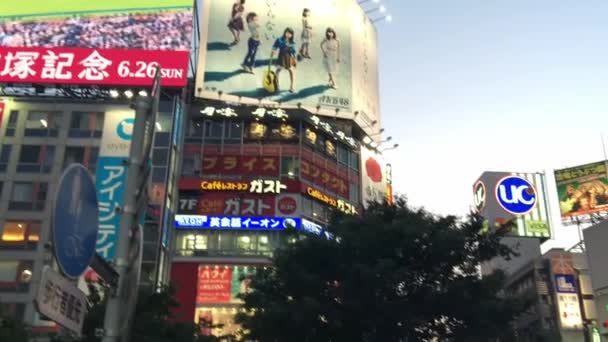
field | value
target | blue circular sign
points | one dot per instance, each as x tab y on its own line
516	195
75	220
125	128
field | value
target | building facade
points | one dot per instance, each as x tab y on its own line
39	138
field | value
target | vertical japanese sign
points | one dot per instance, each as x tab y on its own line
95	42
214	284
111	176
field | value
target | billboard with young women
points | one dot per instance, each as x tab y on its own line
320	55
110	42
582	190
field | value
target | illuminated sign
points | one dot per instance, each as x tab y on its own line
96	42
569	311
235	222
274	113
339	204
565	283
258	186
515	195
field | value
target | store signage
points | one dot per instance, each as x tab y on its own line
479	196
324	178
2	106
515	195
562	264
258	186
274	113
339	204
214	285
86	66
569	311
235	222
61	301
565	283
265	166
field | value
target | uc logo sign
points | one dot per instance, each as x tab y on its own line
125	129
516	195
479	196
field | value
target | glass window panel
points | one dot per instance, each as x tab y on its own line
160	156
14	231
354	160
213	129
73	155
8	271
5	154
29	154
342	154
12	118
22	192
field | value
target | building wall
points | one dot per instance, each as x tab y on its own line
68	131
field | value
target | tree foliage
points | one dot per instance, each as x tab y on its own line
12	329
153	322
394	274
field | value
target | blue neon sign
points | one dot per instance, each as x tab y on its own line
236	222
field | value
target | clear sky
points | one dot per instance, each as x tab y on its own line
473	85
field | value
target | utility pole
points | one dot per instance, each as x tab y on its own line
118	308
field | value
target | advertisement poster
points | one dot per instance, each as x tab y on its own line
373	176
328	49
582	190
569	311
2	106
95	42
214	284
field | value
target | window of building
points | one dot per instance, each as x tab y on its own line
43	124
28	196
263	243
245	242
160	156
5	156
14	310
191	163
194	131
86	125
85	155
194	242
290	167
11	126
353	193
213	131
233	132
353	160
20	234
306	207
342	155
33	158
15	276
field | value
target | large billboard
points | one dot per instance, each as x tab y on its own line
111	42
322	55
582	190
373	176
513	201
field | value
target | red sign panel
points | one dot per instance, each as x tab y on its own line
214	284
129	67
241	165
324	178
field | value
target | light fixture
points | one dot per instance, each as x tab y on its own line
389	18
143	93
373	144
382	9
387	139
20	225
44	123
114	93
390	148
158	126
367	139
128	94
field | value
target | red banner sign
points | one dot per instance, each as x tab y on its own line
214	284
127	67
324	178
241	165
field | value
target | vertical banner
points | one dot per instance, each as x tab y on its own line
373	176
111	177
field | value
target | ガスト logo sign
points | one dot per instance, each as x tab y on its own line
516	195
